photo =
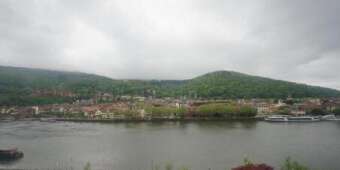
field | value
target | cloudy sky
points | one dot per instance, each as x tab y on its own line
175	39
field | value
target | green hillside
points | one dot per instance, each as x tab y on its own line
229	84
17	85
23	86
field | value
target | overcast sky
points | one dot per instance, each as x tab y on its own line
295	40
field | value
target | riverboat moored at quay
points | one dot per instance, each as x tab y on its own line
285	118
330	118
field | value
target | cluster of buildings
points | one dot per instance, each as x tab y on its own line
128	106
293	106
107	110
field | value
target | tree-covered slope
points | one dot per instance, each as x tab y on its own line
25	86
44	79
228	84
19	85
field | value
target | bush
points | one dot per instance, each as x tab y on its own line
317	111
225	110
254	167
292	165
87	166
337	111
216	110
166	111
247	111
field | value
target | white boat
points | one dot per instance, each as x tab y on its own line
276	118
285	118
48	120
303	119
330	118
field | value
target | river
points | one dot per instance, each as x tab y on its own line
197	145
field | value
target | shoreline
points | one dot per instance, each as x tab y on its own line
157	120
135	120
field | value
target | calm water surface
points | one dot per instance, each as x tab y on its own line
198	145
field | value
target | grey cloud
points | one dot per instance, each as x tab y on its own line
178	39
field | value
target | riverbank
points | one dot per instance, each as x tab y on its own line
150	119
159	120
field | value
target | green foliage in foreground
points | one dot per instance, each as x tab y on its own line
87	166
292	165
288	164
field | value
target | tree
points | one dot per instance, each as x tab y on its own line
317	111
247	111
225	110
283	110
216	110
337	111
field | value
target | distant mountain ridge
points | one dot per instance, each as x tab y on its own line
27	86
238	85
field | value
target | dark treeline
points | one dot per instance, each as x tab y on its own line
18	85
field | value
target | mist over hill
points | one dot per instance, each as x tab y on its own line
27	86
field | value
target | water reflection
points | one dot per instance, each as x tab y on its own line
225	125
249	124
199	145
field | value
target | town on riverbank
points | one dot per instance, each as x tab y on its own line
106	107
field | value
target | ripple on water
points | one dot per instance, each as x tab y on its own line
199	145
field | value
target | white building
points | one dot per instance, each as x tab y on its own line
298	112
35	110
263	108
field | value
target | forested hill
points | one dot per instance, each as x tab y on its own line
25	86
237	85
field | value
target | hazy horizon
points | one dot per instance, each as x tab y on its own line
174	40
